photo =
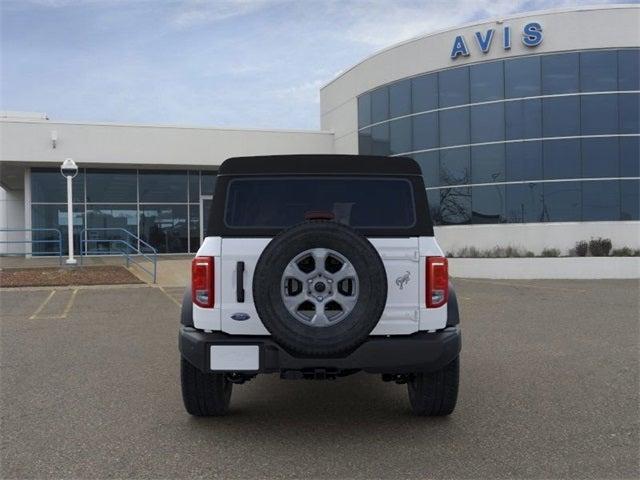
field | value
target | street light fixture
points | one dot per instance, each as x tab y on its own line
69	169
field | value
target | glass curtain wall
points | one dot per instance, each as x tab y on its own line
545	138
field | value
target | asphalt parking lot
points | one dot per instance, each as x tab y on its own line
549	389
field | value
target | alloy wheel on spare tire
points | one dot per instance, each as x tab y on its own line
320	288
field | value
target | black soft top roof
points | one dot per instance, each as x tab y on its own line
319	164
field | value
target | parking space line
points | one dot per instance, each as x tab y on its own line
42	305
170	296
65	312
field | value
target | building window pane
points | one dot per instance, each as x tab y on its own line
599	114
400	132
629	113
600	200
523	161
630	197
599	71
487	123
112	186
194	186
454	127
600	157
380	139
194	227
400	99
454	166
455	206
562	201
49	186
561	159
208	180
424	93
561	116
488	204
560	73
522	77
364	142
55	216
425	131
429	163
630	156
487	164
524	203
379	105
364	110
163	186
433	198
523	119
114	218
629	69
453	86
165	227
487	81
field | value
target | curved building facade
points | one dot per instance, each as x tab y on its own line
528	120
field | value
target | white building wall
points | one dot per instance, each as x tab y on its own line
11	217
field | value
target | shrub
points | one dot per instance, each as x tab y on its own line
625	252
550	252
600	247
581	248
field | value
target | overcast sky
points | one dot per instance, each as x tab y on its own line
243	63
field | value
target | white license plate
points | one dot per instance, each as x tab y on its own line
235	357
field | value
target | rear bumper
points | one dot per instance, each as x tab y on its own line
392	355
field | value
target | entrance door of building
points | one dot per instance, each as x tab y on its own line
205	208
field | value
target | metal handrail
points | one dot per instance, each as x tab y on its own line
32	241
151	256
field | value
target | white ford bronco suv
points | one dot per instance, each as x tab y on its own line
316	267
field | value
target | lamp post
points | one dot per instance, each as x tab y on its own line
69	170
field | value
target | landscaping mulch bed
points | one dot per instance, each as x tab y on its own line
59	276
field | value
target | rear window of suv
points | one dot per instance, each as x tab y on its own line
280	202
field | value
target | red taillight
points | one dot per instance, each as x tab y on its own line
437	281
202	281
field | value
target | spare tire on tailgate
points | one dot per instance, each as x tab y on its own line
320	288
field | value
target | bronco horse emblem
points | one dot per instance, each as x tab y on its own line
402	280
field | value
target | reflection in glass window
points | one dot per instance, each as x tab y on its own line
560	73
112	186
599	114
208	181
424	93
163	186
487	164
561	159
600	157
114	218
433	198
55	216
629	113
523	119
194	186
524	203
429	163
400	136
400	99
630	200
454	127
488	205
630	156
453	86
600	200
455	206
561	116
487	123
629	69
454	166
364	110
364	142
380	139
379	104
522	77
487	81
599	71
562	202
523	161
194	227
165	227
425	131
49	186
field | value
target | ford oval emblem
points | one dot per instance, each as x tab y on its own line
240	317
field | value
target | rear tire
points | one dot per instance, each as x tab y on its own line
434	394
204	394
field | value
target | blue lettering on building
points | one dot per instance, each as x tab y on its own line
531	37
459	47
485	42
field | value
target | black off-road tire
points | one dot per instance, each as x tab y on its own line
204	394
434	394
352	330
